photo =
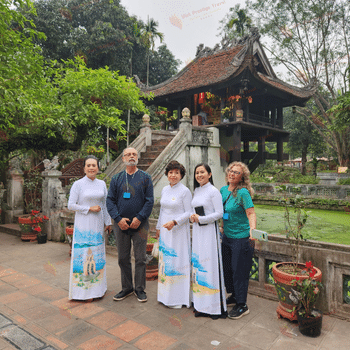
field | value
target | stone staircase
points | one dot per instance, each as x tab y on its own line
152	152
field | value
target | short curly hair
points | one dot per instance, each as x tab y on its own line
174	164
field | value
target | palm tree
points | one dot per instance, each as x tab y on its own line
241	21
149	33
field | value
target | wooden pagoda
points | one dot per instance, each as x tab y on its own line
235	85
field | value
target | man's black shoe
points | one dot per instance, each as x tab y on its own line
122	295
231	300
141	296
238	311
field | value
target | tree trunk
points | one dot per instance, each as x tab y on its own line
303	159
147	67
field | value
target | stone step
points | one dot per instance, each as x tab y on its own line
153	148
143	167
145	161
161	142
151	155
12	229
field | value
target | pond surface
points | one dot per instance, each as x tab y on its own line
321	225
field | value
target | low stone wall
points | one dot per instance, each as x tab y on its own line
331	178
332	259
335	197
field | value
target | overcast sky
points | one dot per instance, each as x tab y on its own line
185	24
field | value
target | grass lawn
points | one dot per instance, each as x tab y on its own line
321	225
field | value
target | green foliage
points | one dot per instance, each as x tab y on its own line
311	40
344	181
235	23
294	227
103	34
32	186
270	173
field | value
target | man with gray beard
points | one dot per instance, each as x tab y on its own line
129	203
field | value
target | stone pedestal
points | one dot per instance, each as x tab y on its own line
53	202
186	123
14	198
146	129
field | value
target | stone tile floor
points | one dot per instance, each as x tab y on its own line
35	313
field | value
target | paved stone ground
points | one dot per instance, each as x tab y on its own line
35	313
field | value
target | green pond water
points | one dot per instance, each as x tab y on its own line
321	225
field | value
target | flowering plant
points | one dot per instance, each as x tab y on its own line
306	291
34	224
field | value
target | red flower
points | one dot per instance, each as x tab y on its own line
45	217
37	229
309	265
312	273
35	212
297	278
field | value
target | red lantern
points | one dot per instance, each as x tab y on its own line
201	98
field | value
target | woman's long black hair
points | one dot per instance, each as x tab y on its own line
207	168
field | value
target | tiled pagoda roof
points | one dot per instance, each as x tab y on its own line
220	65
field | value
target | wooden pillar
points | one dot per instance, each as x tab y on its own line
261	149
279	150
236	144
222	106
179	116
246	146
280	117
246	117
273	117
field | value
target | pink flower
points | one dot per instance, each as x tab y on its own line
316	290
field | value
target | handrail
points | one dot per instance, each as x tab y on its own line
156	170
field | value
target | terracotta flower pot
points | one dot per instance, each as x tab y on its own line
26	224
69	233
283	284
152	266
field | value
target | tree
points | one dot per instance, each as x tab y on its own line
235	23
163	65
311	39
149	33
54	106
303	138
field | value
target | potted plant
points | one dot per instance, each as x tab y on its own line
31	225
69	234
151	261
285	273
41	236
304	294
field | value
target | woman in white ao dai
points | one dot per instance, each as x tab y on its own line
173	229
208	293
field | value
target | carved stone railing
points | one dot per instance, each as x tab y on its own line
201	137
332	259
176	145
